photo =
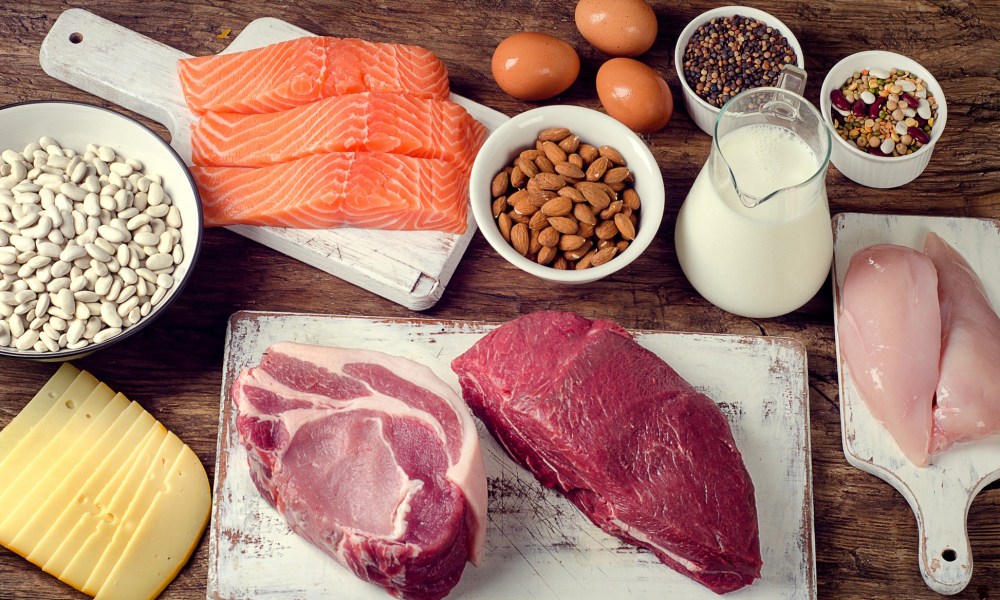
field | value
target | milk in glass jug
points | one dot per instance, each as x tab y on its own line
753	235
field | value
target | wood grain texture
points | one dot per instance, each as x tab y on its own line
866	535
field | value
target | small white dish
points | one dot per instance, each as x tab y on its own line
593	127
701	112
76	124
867	169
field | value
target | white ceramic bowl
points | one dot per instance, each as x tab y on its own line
594	128
868	169
702	113
74	125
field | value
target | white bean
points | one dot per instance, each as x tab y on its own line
106	334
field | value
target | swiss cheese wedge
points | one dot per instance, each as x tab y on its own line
97	492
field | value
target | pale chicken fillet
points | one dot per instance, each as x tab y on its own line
890	338
968	391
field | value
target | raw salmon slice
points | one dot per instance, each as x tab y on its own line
396	123
347	189
293	73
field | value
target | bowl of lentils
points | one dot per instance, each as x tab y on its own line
727	50
886	112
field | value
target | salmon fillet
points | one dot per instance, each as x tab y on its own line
347	189
375	122
293	73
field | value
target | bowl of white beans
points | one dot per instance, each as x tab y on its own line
100	226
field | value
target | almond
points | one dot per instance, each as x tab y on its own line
520	238
631	198
538	221
564	225
596	197
545	165
569	170
606	230
550	181
597	168
618	186
570	143
575	159
613	209
610	191
499	206
572	193
624	226
518	178
616	175
622	246
532	186
603	256
560	263
560	206
504	224
611	154
586	230
570	242
546	255
554	134
583	214
525	207
518	217
554	152
528	166
499	187
517	197
579	252
588	153
530	155
539	198
585	262
534	245
549	237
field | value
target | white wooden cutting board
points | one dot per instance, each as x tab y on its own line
941	493
411	268
538	544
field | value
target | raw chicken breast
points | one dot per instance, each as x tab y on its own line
968	392
890	338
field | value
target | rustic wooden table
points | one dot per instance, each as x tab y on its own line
866	536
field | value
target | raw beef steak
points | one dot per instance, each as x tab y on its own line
370	457
644	455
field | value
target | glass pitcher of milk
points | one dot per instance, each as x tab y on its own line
753	235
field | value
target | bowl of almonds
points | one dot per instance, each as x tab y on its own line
567	193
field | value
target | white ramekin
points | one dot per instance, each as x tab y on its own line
868	169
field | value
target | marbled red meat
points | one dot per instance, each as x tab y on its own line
370	457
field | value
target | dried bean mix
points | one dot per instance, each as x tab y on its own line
885	113
730	54
566	204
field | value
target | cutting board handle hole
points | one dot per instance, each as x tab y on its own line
949	555
76	37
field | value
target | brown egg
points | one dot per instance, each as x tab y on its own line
634	94
535	66
617	27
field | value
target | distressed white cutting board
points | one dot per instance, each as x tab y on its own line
941	493
538	544
411	268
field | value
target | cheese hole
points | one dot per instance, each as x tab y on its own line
87	415
949	555
69	404
109	518
75	37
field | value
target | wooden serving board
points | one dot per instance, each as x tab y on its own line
538	544
411	268
941	493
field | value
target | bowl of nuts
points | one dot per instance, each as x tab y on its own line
886	113
726	50
100	225
567	193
